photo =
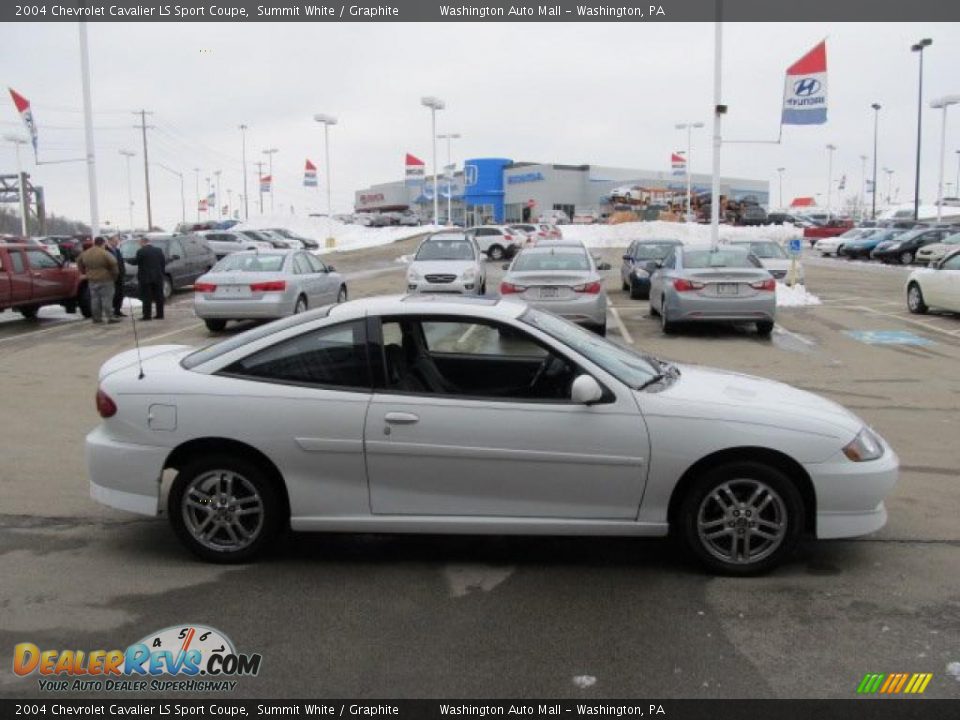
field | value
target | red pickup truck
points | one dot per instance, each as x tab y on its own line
832	228
30	277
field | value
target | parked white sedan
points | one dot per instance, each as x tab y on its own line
430	414
935	287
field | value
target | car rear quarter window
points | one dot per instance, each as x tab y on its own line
334	356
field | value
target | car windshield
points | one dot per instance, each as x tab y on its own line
445	250
951	240
721	257
653	251
250	262
553	260
768	249
626	365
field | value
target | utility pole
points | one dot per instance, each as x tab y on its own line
219	206
88	131
780	173
259	164
246	205
269	153
129	154
146	163
197	174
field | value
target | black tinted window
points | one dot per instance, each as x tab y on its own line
333	356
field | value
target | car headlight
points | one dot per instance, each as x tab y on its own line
470	274
413	275
895	246
864	447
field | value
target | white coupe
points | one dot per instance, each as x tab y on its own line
461	415
935	287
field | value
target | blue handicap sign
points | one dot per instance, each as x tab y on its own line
888	337
796	246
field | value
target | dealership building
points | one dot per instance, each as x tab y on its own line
500	190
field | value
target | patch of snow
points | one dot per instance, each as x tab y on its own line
348	237
621	235
47	312
584	681
796	296
953	669
463	579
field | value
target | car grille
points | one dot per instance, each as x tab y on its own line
439	279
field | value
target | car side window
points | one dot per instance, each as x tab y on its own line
670	261
175	248
329	357
41	260
316	264
300	265
951	264
16	261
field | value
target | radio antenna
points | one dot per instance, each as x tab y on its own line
136	338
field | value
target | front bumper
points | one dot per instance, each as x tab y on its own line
457	287
123	475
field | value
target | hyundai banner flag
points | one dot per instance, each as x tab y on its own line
265	182
414	171
26	114
310	175
805	89
678	163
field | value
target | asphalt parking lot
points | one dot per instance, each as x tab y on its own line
393	616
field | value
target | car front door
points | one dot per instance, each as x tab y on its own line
941	287
327	287
49	278
177	267
474	418
658	278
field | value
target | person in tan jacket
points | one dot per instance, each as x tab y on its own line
101	270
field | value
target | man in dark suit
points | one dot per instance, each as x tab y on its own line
113	247
151	264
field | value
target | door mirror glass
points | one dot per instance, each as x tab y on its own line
585	390
603	266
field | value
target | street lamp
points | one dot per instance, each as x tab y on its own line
246	206
269	153
780	175
830	148
129	154
918	48
876	123
17	141
434	104
689	128
889	173
448	137
327	121
862	201
942	104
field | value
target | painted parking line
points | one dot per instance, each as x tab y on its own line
901	318
172	332
781	330
612	311
888	337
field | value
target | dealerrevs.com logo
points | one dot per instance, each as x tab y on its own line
197	658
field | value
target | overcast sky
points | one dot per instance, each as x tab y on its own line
605	94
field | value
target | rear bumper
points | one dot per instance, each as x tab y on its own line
584	310
123	475
266	307
693	308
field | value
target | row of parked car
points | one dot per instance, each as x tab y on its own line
919	244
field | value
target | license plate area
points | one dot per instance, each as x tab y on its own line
549	293
728	289
235	291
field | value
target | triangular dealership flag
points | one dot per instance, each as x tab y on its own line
678	163
265	183
309	174
26	114
415	169
805	89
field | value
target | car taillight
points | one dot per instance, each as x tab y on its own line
509	288
591	288
204	287
271	286
769	285
105	405
682	285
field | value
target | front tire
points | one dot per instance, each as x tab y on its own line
741	518
167	287
915	303
666	324
29	312
224	509
495	252
300	306
764	328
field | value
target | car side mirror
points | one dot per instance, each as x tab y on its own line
585	390
505	266
174	257
604	266
657	264
331	268
652	266
627	258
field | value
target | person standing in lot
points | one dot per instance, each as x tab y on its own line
101	270
151	265
113	247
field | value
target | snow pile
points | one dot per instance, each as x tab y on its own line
621	235
796	296
348	237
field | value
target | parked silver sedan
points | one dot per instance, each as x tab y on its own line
704	284
561	277
265	285
447	262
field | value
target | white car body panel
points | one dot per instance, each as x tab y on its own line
940	288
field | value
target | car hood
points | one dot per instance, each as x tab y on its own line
442	267
146	355
729	397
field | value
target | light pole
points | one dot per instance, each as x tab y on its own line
219	214
448	137
197	172
876	124
956	185
830	148
17	142
942	104
780	175
88	132
918	48
129	154
889	173
246	205
183	200
863	186
327	121
434	103
689	128
269	153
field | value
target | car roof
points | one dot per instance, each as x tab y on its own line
491	307
547	247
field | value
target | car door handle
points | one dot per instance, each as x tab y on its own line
401	418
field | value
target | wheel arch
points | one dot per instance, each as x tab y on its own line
199	447
767	456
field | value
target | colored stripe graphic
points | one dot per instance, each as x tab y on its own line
894	683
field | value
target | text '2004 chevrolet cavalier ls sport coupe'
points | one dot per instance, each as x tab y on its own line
456	415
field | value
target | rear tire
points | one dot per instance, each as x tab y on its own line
638	294
342	295
600	330
167	287
300	306
737	510
915	303
666	324
906	257
495	252
215	325
764	328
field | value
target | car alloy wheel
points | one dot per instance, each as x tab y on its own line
666	324
906	257
224	508
167	288
742	518
342	295
915	303
301	305
495	252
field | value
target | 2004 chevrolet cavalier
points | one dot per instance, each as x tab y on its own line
443	415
